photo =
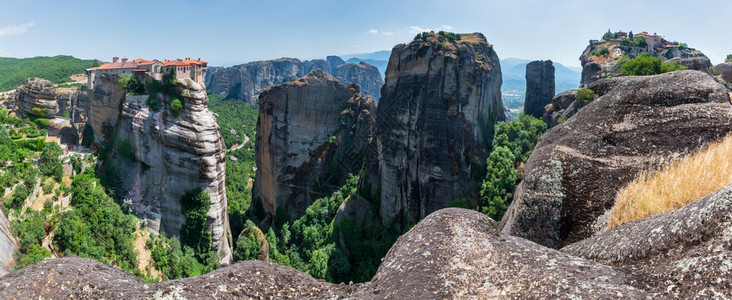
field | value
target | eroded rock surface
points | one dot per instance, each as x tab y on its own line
37	97
687	251
8	246
363	74
701	63
724	71
304	127
164	156
563	106
638	123
431	123
539	87
248	80
454	253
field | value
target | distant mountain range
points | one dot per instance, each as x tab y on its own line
380	59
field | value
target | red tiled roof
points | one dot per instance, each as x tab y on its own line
183	62
142	62
117	65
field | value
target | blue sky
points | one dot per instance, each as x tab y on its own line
228	32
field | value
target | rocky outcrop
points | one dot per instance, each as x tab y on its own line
539	87
304	128
160	157
563	106
700	63
37	97
246	81
8	246
596	65
686	252
453	253
362	74
724	71
638	123
431	123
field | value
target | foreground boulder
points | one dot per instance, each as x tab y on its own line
453	253
459	254
638	123
687	251
441	93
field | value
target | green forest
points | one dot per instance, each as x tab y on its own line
57	69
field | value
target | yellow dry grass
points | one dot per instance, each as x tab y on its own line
680	183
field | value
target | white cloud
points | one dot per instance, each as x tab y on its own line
377	32
416	29
15	29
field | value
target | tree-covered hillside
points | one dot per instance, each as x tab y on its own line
57	69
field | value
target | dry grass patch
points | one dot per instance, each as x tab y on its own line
680	183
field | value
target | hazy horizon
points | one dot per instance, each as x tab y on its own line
227	32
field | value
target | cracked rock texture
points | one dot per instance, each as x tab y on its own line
431	121
686	252
539	87
39	97
453	253
8	246
172	155
724	71
305	128
246	81
638	123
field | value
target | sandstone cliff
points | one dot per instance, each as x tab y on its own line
539	87
246	81
438	99
39	97
160	157
596	65
313	130
638	123
8	246
365	75
453	253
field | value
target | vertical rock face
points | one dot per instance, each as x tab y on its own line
103	102
171	156
304	127
246	81
539	87
638	123
8	246
438	99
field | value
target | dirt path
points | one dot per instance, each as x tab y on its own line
144	256
239	146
